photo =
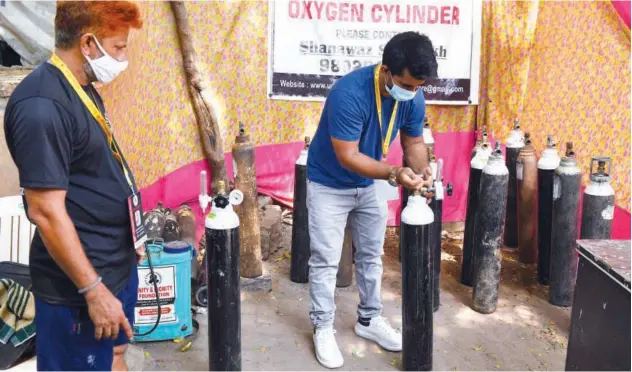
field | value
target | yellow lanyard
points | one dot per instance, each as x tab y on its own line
378	102
96	113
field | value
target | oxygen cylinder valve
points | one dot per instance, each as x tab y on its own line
497	149
448	189
550	143
222	200
569	149
308	140
516	124
242	129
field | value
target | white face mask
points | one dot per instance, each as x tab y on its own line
106	68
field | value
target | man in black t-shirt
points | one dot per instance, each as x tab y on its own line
76	187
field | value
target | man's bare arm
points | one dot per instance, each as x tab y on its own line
47	209
351	158
415	153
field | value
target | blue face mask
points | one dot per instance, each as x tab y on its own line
398	93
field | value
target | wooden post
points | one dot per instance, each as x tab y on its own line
210	136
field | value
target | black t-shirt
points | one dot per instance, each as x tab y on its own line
57	144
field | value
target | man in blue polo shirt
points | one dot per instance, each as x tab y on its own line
349	180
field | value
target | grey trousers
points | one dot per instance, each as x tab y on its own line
329	210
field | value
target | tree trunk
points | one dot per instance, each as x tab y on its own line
210	136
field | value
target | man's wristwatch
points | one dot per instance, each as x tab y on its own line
392	178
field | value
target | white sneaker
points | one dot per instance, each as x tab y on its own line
327	351
381	332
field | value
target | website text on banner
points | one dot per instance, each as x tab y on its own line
312	43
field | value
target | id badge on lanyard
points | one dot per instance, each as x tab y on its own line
135	206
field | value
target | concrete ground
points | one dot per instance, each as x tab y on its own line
525	333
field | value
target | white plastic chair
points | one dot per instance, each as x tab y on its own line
16	231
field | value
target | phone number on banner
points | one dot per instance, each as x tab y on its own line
336	66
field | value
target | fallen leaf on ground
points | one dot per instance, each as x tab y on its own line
498	365
394	362
357	353
287	255
478	347
178	340
147	355
262	349
186	346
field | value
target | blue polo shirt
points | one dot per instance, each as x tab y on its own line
350	114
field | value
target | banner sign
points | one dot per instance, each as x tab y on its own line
312	43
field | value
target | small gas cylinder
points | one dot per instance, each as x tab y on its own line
527	176
186	223
172	229
417	284
487	233
515	142
598	205
223	281
301	251
476	168
563	260
251	265
549	161
155	223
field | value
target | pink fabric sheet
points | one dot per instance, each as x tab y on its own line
623	8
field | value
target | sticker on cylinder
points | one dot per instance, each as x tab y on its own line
519	171
557	192
608	213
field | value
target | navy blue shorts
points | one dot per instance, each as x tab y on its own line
65	335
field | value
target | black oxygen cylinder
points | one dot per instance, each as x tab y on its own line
476	169
598	205
429	142
417	286
515	142
548	162
487	233
437	226
224	293
567	185
300	251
